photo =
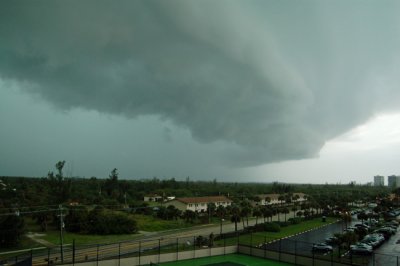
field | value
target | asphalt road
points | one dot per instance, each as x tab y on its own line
147	242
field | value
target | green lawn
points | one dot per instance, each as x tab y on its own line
25	243
144	222
261	237
152	224
80	239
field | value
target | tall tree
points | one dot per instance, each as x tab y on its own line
111	184
235	215
60	188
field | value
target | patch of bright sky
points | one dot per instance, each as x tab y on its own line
367	150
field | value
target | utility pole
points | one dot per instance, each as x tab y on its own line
61	215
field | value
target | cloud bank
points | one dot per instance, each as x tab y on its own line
273	80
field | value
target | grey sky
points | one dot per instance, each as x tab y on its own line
210	89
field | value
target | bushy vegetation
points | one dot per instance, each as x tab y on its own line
119	201
272	227
99	221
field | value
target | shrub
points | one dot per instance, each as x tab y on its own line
295	220
104	222
272	227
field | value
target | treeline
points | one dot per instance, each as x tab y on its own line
55	189
40	198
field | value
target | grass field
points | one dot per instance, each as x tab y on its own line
220	260
260	237
147	223
152	224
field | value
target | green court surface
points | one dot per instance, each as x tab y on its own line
226	260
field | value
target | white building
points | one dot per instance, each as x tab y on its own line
271	199
153	198
199	204
379	181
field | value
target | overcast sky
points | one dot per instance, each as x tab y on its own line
290	91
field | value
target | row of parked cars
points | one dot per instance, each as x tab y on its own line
375	237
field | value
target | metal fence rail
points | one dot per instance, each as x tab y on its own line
255	244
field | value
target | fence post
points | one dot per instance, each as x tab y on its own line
140	250
48	256
177	248
159	250
313	257
97	255
280	248
224	243
251	243
73	252
194	247
373	259
397	260
119	253
295	252
351	258
265	246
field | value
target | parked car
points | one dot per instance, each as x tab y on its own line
374	240
331	240
322	247
386	232
361	249
362	225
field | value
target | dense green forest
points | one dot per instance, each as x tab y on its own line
102	206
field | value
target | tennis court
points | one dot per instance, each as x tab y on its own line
225	260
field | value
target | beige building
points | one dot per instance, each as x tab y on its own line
199	204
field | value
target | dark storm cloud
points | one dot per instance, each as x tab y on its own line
273	80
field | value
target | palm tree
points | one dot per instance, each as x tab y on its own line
265	212
277	211
235	215
285	210
246	211
257	213
281	198
274	212
257	200
294	210
211	207
267	200
221	211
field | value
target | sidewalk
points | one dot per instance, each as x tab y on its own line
43	242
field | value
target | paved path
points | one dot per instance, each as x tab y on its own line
35	237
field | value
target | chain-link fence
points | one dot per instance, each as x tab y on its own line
189	247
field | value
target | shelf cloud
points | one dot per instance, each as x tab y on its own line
273	80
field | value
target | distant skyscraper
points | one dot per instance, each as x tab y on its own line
379	181
394	181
